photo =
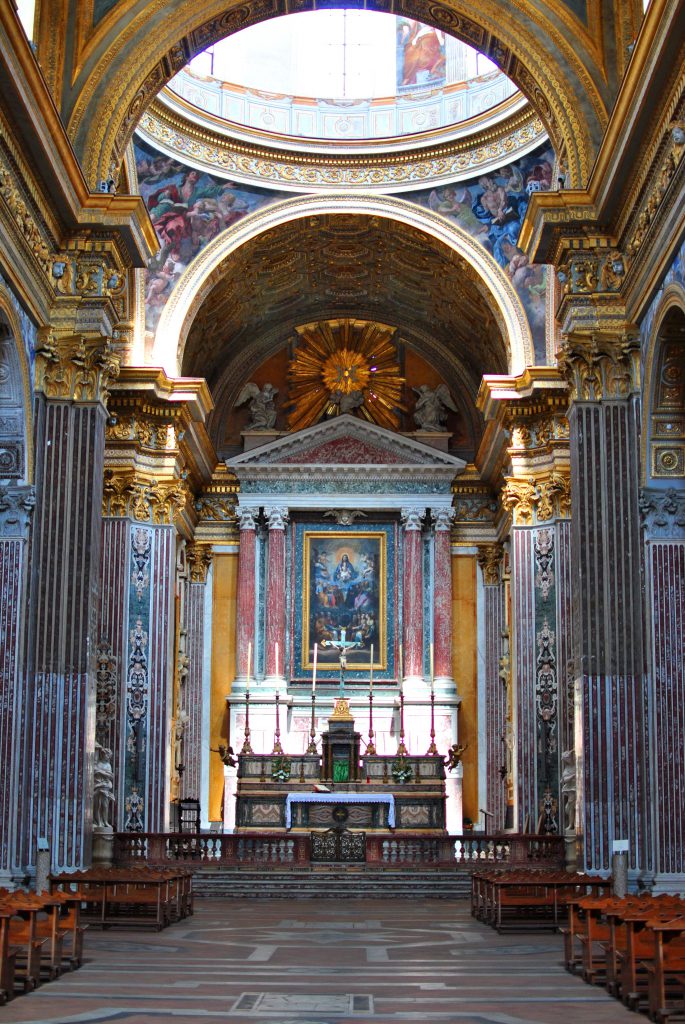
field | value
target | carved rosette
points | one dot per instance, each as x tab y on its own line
16	509
600	366
489	558
663	513
199	557
128	494
78	369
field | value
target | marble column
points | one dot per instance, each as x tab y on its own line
277	518
16	508
442	595
663	513
247	583
613	797
494	731
199	557
412	595
69	433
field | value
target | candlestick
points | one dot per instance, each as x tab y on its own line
246	748
278	749
316	653
311	749
370	748
400	674
432	749
401	748
249	662
276	654
431	653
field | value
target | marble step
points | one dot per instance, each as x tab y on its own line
303	884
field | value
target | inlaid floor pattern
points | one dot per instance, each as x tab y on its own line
320	962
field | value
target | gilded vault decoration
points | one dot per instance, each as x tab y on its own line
344	366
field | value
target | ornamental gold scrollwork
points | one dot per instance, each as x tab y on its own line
149	433
534	500
519	498
24	218
80	369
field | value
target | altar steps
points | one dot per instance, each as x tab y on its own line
331	882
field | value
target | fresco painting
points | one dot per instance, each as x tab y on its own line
188	209
420	55
491	208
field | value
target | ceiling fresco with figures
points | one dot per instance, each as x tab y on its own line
344	264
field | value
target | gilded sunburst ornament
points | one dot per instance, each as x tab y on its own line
345	366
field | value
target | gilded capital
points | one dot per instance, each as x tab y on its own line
520	498
131	494
75	369
199	558
599	366
489	559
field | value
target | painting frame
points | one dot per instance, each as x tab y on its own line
358	595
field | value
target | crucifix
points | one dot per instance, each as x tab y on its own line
342	646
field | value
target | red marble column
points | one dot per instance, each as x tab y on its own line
245	613
412	600
199	560
442	593
275	591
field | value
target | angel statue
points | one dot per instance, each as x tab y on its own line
430	411
262	407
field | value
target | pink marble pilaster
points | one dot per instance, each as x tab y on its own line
412	602
275	590
245	613
442	593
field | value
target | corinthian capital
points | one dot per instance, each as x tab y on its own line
276	517
489	559
412	518
442	518
520	498
247	517
600	365
199	558
16	509
77	369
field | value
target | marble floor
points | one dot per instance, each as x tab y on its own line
320	962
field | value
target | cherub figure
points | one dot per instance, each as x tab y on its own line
262	406
454	755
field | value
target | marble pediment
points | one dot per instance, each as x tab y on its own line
342	456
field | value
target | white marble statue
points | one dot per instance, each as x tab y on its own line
568	788
262	406
103	786
430	411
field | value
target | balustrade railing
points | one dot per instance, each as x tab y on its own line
260	849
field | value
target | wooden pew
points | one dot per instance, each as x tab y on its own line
8	956
666	967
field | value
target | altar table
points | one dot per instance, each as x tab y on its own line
340	798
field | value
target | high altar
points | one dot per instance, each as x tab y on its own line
344	535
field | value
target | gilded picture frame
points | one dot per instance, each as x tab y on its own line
344	588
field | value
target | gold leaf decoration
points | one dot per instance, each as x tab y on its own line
345	366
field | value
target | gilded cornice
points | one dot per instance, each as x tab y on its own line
263	164
539	390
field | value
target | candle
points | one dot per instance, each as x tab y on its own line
249	661
431	667
276	646
400	673
371	671
316	652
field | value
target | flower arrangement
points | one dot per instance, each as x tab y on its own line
401	770
280	769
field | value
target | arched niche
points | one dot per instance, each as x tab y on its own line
664	394
135	51
16	452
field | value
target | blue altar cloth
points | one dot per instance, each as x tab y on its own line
339	798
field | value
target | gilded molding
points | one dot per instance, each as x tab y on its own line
308	171
199	557
142	497
600	366
489	559
75	369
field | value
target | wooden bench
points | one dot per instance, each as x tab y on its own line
666	967
132	896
